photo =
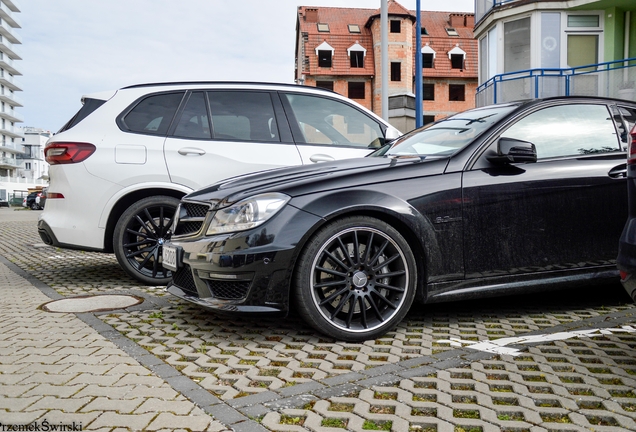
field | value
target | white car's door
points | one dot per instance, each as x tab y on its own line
222	134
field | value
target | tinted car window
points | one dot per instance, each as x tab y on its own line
625	119
567	130
245	116
153	114
89	106
328	121
194	120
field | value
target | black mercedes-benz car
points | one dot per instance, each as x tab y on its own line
505	199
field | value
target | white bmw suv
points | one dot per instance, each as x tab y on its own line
120	166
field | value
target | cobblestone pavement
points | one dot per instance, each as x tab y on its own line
563	362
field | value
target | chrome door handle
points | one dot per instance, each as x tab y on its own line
321	158
619	171
187	151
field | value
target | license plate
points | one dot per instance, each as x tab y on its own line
170	257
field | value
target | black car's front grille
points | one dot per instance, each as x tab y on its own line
228	290
183	279
191	218
196	210
184	227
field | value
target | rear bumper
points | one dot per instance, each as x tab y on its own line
49	238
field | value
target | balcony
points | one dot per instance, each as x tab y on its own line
616	79
10	115
8	163
9	48
10	131
10	98
9	32
9	16
9	81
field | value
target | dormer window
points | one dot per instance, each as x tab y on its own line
457	56
451	31
356	55
423	31
324	51
428	57
354	28
323	27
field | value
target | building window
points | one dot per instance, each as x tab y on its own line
427	61
423	31
322	27
428	92
396	26
324	59
27	165
456	92
354	28
517	45
457	61
583	21
428	119
357	59
396	71
356	90
584	39
325	85
451	31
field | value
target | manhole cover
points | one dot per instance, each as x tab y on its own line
97	303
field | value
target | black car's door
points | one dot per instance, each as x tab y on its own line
566	211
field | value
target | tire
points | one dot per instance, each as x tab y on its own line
350	291
139	237
34	206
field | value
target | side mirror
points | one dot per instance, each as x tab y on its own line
510	150
391	134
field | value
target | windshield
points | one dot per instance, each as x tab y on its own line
447	136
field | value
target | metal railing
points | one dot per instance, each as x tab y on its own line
615	79
482	7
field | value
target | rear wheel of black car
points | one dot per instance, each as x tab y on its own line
356	279
139	236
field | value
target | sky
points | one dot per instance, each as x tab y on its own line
75	47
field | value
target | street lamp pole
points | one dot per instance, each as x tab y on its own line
419	119
384	48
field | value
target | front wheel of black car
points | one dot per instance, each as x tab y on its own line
139	236
356	279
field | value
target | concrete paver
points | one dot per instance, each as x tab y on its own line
167	365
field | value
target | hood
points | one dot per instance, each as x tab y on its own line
306	179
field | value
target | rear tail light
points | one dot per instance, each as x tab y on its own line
68	152
631	147
54	195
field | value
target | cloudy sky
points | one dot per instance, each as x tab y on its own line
76	47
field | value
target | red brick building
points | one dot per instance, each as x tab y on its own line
339	49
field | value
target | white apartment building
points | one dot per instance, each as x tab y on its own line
32	166
11	145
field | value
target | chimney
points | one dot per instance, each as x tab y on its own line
456	20
311	15
470	21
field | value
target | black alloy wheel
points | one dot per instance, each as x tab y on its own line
139	237
356	279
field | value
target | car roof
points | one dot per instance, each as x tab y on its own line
225	83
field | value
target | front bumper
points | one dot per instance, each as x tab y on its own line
245	272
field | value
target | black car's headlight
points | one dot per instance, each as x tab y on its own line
247	214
